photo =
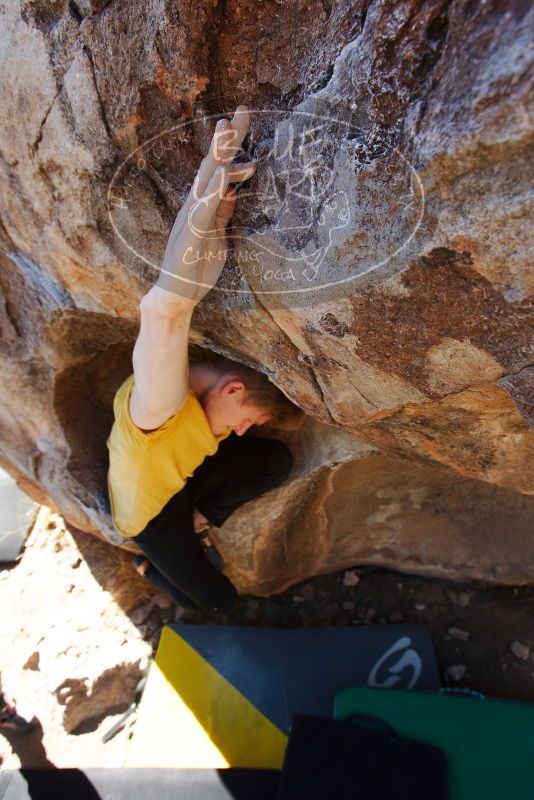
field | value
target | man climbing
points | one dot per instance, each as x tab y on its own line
174	467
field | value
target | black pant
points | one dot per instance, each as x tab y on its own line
241	469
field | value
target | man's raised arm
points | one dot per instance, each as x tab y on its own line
193	260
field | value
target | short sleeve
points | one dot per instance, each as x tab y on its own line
121	409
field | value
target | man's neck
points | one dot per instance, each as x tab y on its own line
201	379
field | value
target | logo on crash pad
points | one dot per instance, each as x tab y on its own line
400	666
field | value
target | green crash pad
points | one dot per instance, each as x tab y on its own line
489	743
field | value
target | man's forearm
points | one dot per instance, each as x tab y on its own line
168	302
175	281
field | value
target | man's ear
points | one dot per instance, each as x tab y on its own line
233	387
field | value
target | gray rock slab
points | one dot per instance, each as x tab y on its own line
17	515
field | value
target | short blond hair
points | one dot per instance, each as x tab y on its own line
262	391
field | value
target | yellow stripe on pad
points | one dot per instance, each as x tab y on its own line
191	716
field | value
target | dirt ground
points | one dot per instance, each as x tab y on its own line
483	634
488	630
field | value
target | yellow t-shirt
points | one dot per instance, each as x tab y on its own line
147	469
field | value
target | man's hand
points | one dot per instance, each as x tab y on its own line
197	246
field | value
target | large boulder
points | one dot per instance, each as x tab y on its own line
378	269
348	503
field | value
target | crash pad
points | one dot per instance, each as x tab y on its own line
489	744
220	696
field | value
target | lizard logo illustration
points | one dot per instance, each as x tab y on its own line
291	217
335	214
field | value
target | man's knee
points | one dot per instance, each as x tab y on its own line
278	462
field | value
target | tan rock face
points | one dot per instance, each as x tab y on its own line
376	510
379	268
477	433
347	503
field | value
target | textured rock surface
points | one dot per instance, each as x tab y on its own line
380	275
357	506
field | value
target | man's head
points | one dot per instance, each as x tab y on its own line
227	406
239	396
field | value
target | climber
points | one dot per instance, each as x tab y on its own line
174	467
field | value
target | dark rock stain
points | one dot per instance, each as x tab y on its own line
447	299
409	437
333	326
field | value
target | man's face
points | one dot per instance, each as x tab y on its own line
227	407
